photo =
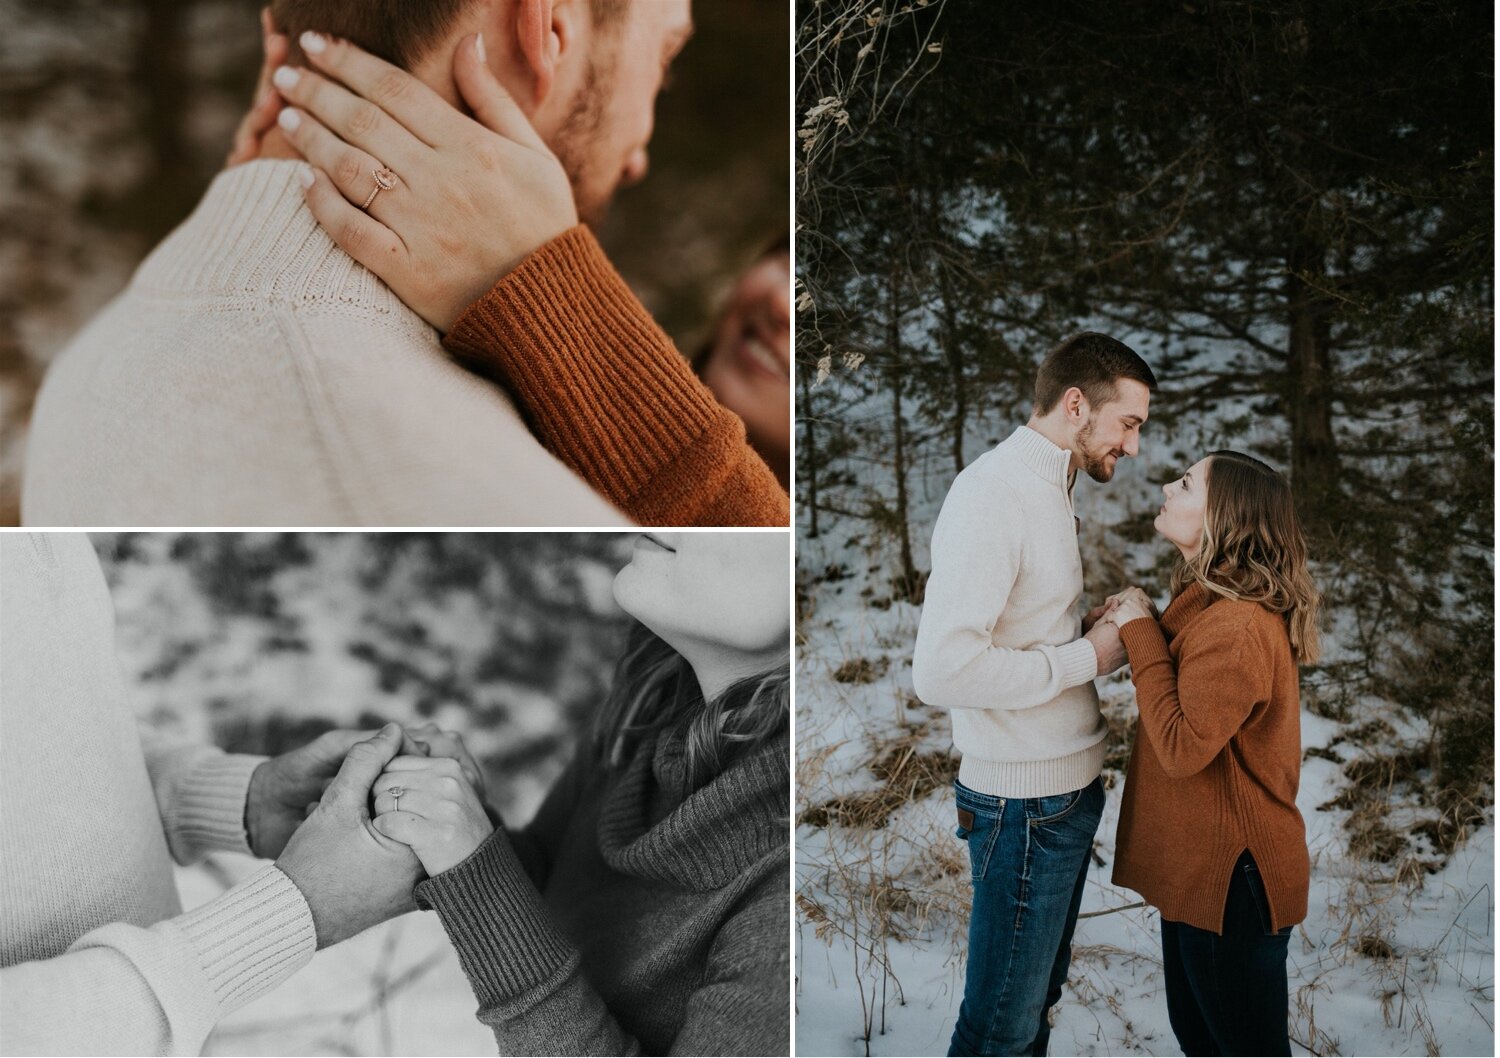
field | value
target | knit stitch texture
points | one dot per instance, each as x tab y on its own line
97	955
999	641
633	915
1216	761
605	388
254	374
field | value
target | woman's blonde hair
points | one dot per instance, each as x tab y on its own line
655	690
1253	547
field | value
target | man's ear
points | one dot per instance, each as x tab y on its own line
1075	404
545	30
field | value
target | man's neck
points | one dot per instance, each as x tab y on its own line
1056	432
274	145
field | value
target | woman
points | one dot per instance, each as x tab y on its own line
1209	830
645	908
493	256
746	362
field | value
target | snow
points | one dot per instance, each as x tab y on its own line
883	911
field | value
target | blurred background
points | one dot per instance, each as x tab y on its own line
260	642
116	114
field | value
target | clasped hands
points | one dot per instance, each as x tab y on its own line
1102	624
312	810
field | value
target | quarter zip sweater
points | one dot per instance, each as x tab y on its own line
634	914
1216	761
98	956
999	642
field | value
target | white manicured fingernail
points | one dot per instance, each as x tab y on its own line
289	119
313	43
479	48
305	175
285	77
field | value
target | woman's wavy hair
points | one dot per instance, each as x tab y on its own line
655	690
1253	547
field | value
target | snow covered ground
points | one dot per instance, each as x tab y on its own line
1391	960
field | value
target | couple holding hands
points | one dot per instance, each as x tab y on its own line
1209	831
642	910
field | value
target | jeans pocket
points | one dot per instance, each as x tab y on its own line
1054	809
978	830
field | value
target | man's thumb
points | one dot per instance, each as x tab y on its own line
363	765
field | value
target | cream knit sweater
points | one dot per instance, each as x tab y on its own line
97	956
254	374
998	642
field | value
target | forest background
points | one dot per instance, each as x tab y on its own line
1287	208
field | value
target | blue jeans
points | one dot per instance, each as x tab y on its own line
1226	994
1029	858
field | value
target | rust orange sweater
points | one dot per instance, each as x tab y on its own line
606	391
1217	757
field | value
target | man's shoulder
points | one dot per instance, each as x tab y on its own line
997	476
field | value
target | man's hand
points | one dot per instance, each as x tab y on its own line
1108	648
352	876
282	787
1104	609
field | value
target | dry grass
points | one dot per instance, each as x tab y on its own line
907	775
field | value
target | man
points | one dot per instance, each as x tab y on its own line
253	373
97	955
999	644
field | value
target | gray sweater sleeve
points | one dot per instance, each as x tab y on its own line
532	991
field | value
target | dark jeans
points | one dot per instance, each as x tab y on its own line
1227	994
1029	857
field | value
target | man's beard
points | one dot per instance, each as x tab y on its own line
1095	464
578	136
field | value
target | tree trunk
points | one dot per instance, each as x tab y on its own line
1315	458
808	478
907	584
953	353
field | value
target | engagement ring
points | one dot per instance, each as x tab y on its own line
396	792
385	180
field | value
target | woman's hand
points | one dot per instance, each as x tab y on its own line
469	200
1130	605
1099	613
267	102
440	815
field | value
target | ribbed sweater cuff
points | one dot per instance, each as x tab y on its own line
209	809
1143	642
602	384
1080	663
252	938
496	920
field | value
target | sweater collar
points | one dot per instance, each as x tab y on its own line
651	826
1048	461
253	237
1186	605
